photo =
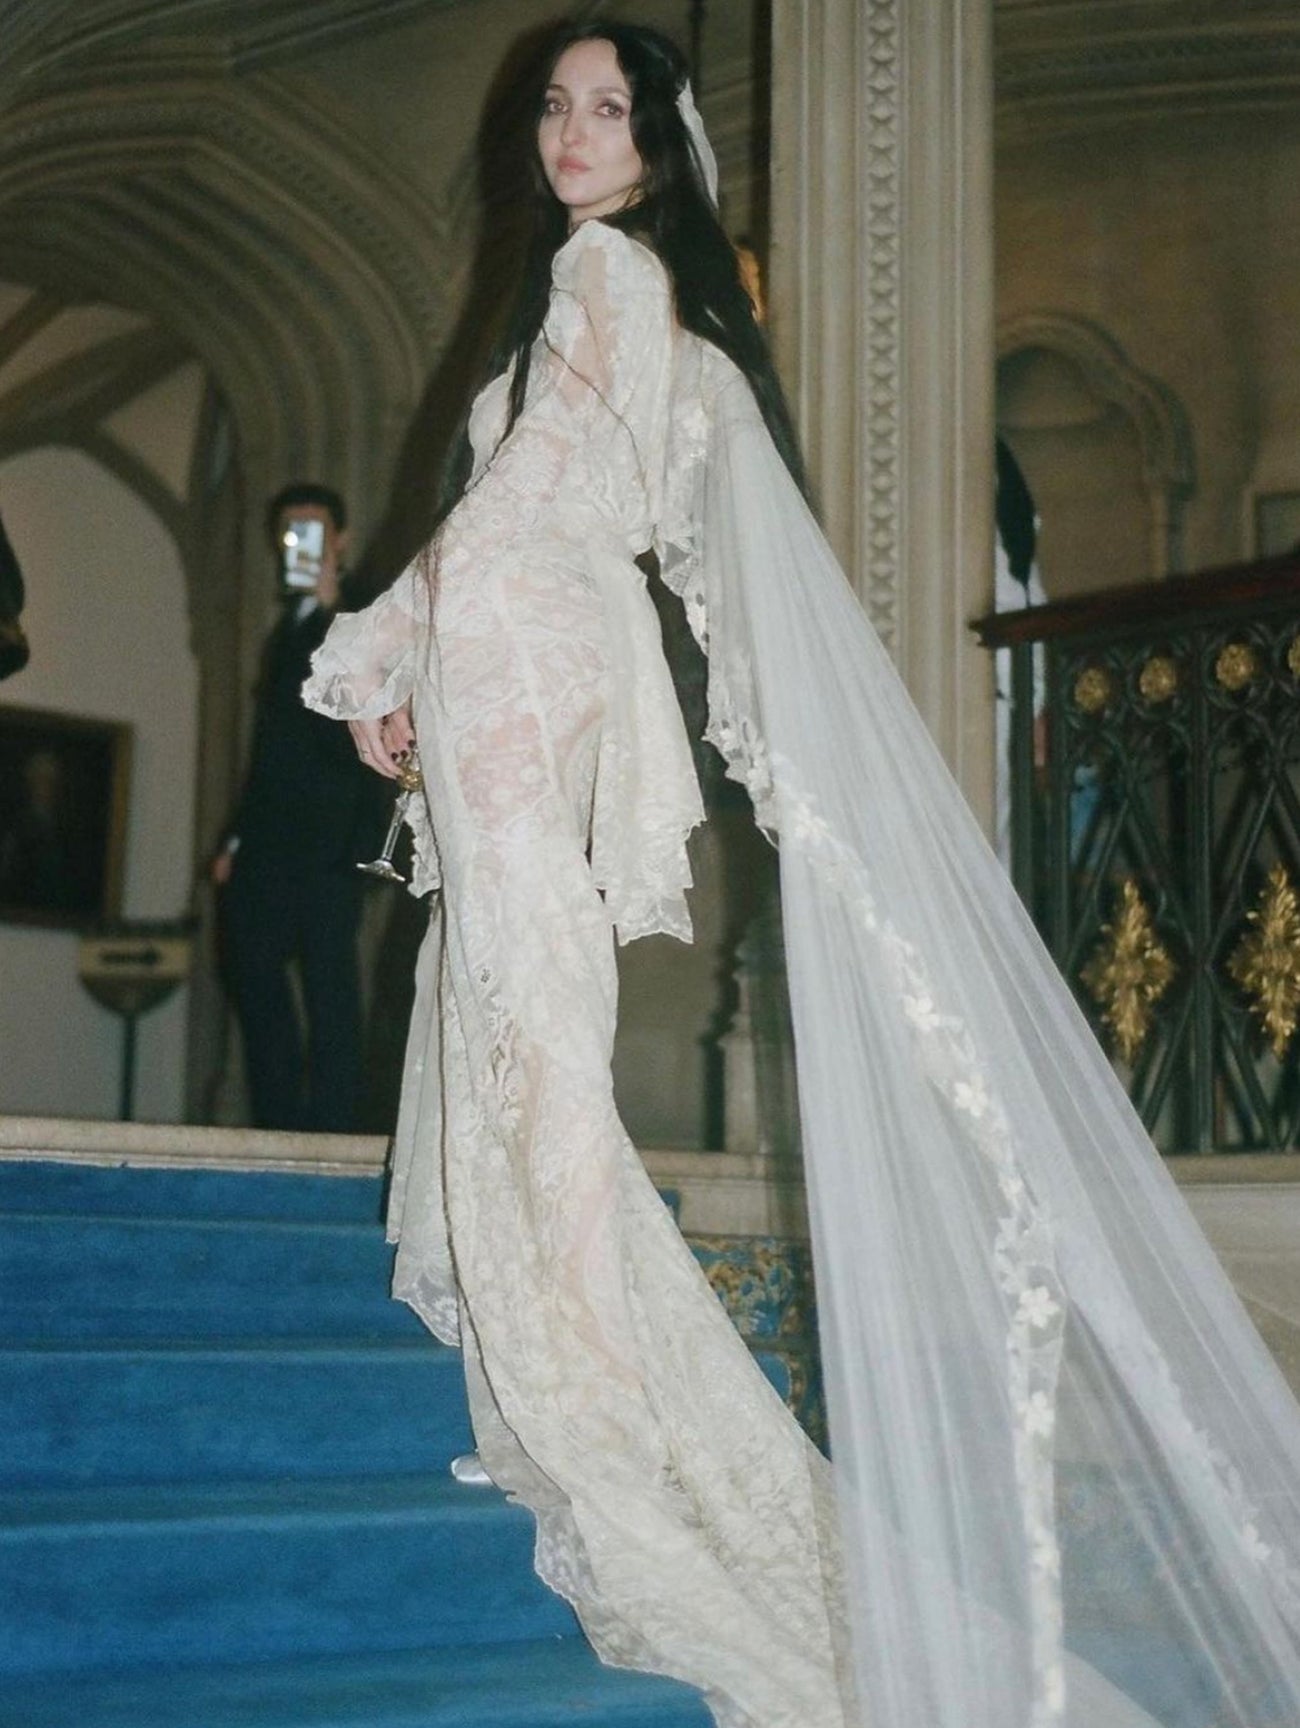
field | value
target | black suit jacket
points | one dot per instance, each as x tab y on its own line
307	800
11	579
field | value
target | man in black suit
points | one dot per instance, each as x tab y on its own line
307	814
14	652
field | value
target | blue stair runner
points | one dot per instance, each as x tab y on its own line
224	1499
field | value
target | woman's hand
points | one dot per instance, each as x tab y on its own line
383	744
399	732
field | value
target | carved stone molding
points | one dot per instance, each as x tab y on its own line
836	299
884	328
57	39
882	316
1061	64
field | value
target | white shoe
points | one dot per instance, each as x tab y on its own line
468	1468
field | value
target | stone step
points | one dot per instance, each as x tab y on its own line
551	1683
102	1578
73	1415
73	1276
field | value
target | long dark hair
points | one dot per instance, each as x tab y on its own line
673	215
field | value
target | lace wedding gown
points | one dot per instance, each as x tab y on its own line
1067	1474
679	1506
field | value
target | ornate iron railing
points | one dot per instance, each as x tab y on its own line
1155	833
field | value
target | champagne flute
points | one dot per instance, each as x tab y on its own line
409	780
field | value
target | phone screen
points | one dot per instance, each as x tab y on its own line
302	550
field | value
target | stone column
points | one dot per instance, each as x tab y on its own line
882	317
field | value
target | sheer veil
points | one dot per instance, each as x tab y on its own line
1068	1471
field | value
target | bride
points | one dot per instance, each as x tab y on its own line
1067	1475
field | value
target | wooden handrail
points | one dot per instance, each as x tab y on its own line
1264	583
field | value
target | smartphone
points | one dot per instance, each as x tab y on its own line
302	551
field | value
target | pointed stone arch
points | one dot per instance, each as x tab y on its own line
1160	423
261	237
312	285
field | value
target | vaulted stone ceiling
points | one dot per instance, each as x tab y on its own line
290	187
160	155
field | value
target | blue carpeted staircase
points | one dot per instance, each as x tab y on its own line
224	1499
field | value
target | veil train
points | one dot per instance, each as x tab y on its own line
1068	1469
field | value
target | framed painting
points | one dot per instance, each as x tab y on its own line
63	801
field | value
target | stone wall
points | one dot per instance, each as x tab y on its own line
1148	298
111	649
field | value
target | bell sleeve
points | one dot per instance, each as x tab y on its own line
598	376
365	667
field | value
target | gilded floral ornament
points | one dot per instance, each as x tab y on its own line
1093	689
1158	679
1129	972
1236	666
1266	962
